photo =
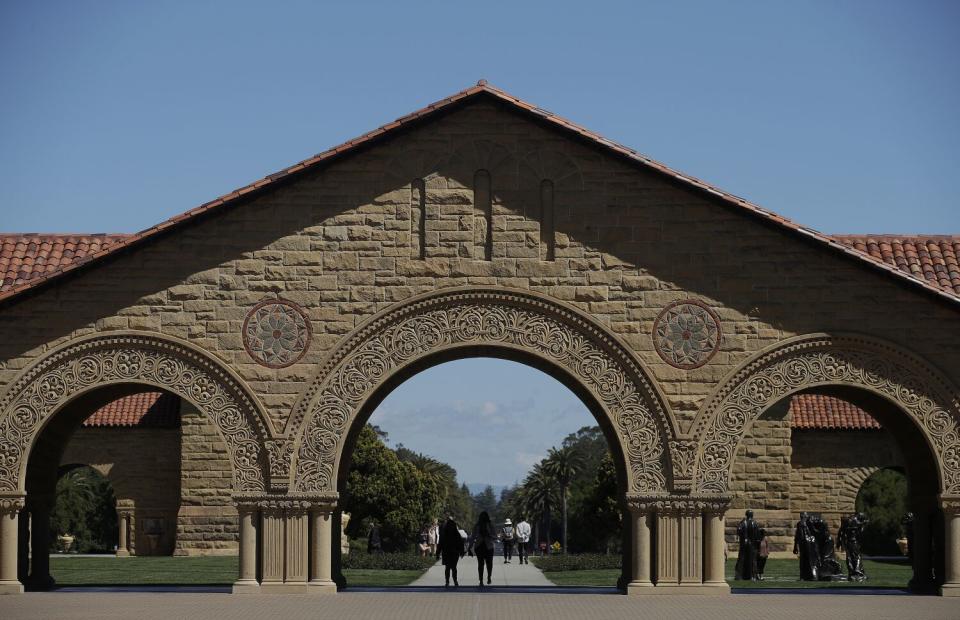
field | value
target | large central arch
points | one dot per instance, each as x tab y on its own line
519	325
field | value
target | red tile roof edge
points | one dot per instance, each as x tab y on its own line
482	87
822	412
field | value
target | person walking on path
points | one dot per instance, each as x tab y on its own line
523	539
507	536
433	536
482	545
450	549
374	543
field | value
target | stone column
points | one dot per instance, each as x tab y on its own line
951	542
297	545
272	545
714	545
640	514
40	507
123	521
321	549
10	508
248	549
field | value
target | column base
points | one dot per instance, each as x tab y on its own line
326	586
694	589
639	587
280	587
123	553
950	589
11	587
246	586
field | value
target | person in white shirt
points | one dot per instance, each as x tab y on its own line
523	539
433	537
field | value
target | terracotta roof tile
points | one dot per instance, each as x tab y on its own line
483	88
933	258
817	411
25	257
143	410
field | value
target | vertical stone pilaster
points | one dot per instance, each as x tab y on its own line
690	525
951	542
668	545
124	529
297	544
10	508
272	545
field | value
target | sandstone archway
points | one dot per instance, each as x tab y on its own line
517	324
88	364
911	396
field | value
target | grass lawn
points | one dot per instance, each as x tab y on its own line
196	571
779	574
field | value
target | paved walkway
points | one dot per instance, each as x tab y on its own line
512	574
468	605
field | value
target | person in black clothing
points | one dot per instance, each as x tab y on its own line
374	544
482	545
450	548
748	533
805	546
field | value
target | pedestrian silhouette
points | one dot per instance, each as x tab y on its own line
450	549
482	545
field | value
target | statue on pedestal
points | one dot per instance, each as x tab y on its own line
748	534
850	538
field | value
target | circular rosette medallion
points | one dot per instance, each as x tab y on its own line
276	333
686	334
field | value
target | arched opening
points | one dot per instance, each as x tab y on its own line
170	492
461	411
811	452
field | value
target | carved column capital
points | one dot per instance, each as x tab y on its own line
678	505
10	504
290	503
950	505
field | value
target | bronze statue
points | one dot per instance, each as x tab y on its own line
805	546
850	538
748	534
828	568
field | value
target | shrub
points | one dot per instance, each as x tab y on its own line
387	561
579	561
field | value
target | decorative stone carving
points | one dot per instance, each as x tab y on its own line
682	458
522	322
294	502
181	369
11	504
276	333
810	361
281	452
678	504
686	334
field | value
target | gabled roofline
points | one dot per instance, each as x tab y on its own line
481	88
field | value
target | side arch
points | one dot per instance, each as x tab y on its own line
491	319
917	389
84	365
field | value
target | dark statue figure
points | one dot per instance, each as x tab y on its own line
907	523
748	533
805	546
850	538
828	568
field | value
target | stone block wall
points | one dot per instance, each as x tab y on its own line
207	522
143	467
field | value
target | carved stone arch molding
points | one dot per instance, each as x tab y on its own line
522	322
885	369
125	358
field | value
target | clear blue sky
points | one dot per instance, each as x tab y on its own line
840	115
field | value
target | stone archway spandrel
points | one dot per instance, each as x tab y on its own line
511	321
83	365
853	360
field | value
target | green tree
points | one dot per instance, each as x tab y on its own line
563	464
596	513
84	508
395	493
486	500
883	498
538	496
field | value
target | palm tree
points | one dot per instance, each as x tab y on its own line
538	496
563	465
